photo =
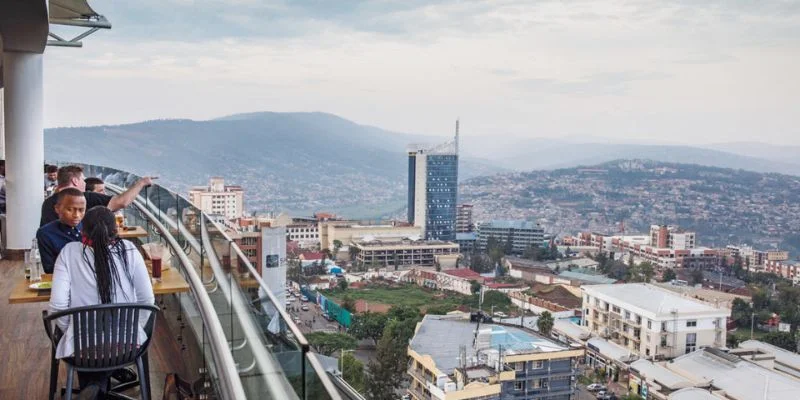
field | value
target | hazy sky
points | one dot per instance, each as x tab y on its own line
685	71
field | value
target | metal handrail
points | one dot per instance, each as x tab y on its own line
279	389
230	384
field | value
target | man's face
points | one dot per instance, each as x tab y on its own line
70	210
52	176
100	188
79	183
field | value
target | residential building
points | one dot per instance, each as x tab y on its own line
665	247
785	269
712	374
522	234
466	241
433	189
218	198
347	232
464	218
772	357
652	322
752	259
487	361
407	252
251	244
454	280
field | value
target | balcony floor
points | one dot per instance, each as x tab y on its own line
25	351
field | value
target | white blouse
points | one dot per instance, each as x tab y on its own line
75	285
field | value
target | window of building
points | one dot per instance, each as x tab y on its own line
664	341
691	342
537	364
520	366
519	385
627	315
615	309
691	323
649	324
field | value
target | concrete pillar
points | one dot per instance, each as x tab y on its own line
2	129
24	146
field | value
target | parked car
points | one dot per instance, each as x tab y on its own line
304	299
607	396
304	307
595	387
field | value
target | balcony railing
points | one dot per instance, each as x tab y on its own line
251	346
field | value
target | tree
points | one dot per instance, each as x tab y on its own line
545	323
337	245
784	340
349	304
342	285
732	341
631	262
368	325
553	253
669	275
741	312
353	252
697	276
646	271
329	343
531	253
353	372
385	372
440	309
474	287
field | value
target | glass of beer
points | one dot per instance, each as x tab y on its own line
156	252
120	217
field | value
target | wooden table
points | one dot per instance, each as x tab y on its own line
133	232
171	282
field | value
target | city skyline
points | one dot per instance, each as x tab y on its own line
648	71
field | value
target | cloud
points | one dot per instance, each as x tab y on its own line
606	83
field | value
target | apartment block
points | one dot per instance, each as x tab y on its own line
351	231
464	221
652	322
218	198
433	188
487	362
522	234
407	252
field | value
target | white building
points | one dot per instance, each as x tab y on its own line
217	198
522	234
651	321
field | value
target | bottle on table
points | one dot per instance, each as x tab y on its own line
35	261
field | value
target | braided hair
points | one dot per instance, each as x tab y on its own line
100	234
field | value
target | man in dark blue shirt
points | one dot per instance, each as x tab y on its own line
53	236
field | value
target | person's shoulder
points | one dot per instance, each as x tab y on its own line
72	247
95	199
47	227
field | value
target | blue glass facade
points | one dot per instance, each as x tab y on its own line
412	185
441	192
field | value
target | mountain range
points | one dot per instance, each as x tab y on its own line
303	162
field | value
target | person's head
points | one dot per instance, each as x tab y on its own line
100	233
51	171
71	176
70	206
95	185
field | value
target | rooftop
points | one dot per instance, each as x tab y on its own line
459	331
660	375
790	361
512	224
571	330
651	298
463	273
692	394
591	278
610	349
740	379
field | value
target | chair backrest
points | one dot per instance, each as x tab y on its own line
105	336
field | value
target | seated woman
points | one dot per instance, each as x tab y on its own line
100	269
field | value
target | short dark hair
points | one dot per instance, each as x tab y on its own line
91	182
65	174
49	169
64	193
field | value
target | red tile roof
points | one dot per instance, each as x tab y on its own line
463	273
311	255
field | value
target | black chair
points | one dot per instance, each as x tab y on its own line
105	339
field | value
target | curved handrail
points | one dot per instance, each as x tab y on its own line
231	384
280	388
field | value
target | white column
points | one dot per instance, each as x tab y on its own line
24	146
2	129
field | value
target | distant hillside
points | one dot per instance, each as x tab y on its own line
534	154
722	205
286	161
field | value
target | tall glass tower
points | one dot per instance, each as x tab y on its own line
433	188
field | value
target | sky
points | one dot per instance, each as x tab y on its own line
661	71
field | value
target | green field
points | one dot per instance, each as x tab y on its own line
415	296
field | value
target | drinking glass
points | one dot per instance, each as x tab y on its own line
120	217
156	252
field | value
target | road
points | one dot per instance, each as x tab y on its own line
312	321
